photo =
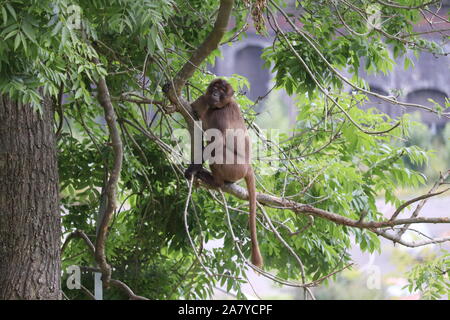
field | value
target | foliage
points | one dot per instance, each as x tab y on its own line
431	278
436	144
326	162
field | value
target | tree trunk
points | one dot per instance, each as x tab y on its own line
30	226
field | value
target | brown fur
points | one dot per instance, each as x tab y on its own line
218	110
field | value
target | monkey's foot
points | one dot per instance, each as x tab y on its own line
207	177
192	170
199	173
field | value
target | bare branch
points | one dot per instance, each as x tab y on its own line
88	293
410	244
320	280
409	202
422	203
288	247
104	99
143	100
126	289
280	238
186	227
78	234
266	274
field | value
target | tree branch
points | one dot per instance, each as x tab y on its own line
443	177
211	43
409	202
173	92
300	208
412	244
126	289
78	234
104	99
116	283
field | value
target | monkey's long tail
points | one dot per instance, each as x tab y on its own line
257	259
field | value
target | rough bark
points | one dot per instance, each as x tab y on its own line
30	228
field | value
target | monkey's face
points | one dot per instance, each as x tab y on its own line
219	93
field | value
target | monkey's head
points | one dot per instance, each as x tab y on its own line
219	93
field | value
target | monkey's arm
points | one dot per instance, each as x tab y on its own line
199	107
201	173
197	170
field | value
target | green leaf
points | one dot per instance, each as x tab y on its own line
29	31
64	36
5	16
159	44
79	93
57	28
24	43
408	63
12	33
17	41
11	10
